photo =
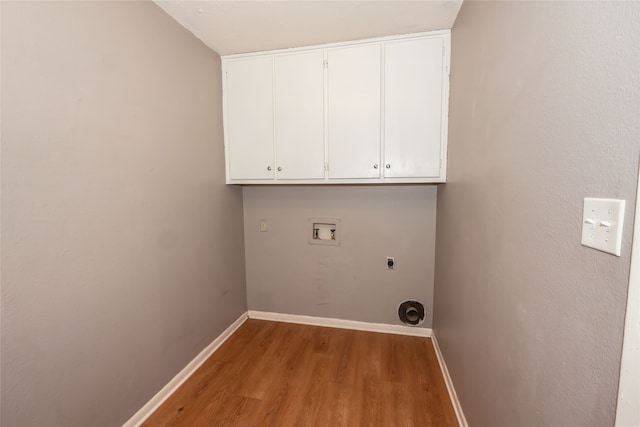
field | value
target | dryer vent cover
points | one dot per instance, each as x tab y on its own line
411	313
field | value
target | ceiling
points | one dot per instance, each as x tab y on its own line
248	26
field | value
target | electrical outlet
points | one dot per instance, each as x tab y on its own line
391	263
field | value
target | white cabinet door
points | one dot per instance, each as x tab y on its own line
299	103
354	111
413	108
249	119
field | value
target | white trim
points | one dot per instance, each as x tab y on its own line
444	115
288	51
627	410
160	397
341	323
340	181
462	421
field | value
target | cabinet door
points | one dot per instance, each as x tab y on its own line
413	107
249	118
354	112
299	103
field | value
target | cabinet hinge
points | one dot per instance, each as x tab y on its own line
326	167
325	63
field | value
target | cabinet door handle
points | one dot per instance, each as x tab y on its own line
388	166
268	168
375	166
279	169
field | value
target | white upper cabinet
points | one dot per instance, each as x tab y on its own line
353	86
299	118
413	108
249	119
373	111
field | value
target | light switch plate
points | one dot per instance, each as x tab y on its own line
602	221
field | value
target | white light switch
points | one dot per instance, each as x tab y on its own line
263	225
602	221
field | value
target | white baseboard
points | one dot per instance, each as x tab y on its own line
157	400
340	323
462	421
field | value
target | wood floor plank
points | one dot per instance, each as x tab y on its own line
335	405
346	359
280	375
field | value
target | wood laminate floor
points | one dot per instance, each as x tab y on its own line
282	374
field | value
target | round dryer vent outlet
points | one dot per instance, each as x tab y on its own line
411	313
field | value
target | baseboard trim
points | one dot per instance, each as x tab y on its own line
152	405
341	323
462	421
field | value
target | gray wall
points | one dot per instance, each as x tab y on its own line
545	98
122	248
285	274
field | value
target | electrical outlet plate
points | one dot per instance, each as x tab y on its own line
391	260
602	221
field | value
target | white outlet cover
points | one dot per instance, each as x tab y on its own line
602	221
